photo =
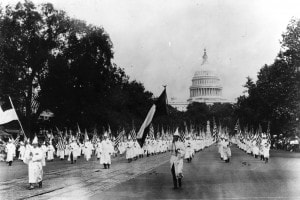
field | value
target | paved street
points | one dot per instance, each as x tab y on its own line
207	177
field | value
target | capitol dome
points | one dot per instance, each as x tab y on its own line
206	85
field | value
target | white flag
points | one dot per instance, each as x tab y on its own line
7	116
147	121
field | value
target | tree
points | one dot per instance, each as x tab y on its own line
29	38
275	95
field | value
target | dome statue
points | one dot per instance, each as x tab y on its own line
206	85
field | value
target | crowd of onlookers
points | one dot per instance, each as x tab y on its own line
286	143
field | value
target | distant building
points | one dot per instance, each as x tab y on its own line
206	85
179	105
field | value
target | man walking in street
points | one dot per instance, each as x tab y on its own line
176	160
34	159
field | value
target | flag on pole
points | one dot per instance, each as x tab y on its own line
61	144
182	136
86	137
237	127
151	132
94	139
133	134
78	129
7	114
17	140
215	129
158	108
34	102
119	138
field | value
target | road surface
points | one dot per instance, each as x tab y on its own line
206	177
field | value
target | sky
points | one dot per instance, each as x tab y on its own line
161	42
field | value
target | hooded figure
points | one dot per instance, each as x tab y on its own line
107	150
188	149
50	152
34	159
21	150
10	152
129	149
73	149
176	160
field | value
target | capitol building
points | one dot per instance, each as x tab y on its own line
206	87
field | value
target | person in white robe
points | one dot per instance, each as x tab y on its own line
188	149
50	152
73	148
107	150
88	150
98	149
265	148
129	149
21	150
176	160
45	149
60	149
34	159
10	152
255	148
226	150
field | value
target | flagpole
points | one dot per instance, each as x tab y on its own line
17	116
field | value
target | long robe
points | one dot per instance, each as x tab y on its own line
177	155
106	150
21	152
50	154
10	152
129	149
88	150
34	160
73	149
188	149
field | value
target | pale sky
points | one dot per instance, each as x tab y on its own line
161	42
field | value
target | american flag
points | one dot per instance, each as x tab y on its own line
17	141
61	144
119	138
151	132
237	126
182	136
34	102
215	130
133	134
94	139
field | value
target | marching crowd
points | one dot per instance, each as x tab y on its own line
256	145
36	153
182	147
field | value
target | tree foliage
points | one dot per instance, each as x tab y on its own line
275	95
68	65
